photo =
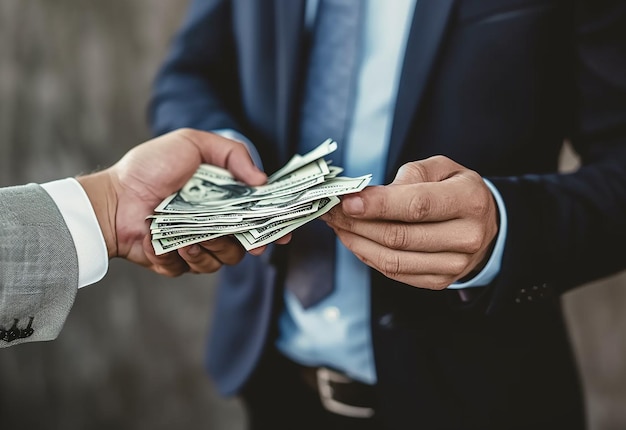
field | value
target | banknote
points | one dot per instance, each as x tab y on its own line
249	241
210	189
297	161
214	204
169	230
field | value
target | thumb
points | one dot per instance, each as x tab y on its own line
433	169
242	167
229	154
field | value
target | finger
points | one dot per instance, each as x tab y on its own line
227	153
258	251
458	235
433	169
199	259
261	249
420	269
226	250
423	202
169	264
284	240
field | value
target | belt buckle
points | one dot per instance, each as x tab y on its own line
325	379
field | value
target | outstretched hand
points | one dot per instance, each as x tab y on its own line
433	225
126	193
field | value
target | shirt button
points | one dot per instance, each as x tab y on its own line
332	313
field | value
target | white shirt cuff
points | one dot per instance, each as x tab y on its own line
492	268
74	205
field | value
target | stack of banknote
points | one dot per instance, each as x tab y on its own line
214	204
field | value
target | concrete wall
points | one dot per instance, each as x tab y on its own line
74	81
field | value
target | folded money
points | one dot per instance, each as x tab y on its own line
213	203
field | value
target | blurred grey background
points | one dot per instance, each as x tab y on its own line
75	77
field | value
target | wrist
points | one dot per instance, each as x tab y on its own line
103	197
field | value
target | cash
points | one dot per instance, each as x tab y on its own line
213	203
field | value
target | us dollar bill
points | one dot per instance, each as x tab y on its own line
249	241
298	161
213	203
209	188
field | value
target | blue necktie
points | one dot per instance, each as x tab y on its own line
325	113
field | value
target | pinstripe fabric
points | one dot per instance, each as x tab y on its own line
38	263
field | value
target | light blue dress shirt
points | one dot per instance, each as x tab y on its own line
336	331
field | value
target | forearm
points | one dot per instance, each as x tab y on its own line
103	199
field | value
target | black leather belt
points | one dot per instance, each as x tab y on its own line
338	393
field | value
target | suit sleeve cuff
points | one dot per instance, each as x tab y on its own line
492	268
74	205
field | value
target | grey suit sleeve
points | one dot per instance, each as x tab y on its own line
38	266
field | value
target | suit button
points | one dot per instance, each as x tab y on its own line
12	334
28	331
387	321
534	293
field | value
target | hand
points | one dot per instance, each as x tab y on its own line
433	225
126	193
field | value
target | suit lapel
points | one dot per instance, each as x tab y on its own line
289	33
425	37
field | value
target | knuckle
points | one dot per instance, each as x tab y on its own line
335	218
441	159
193	259
438	283
233	259
389	265
472	242
396	236
480	207
442	163
419	206
416	169
346	239
210	263
457	265
168	271
343	222
481	204
220	246
187	132
210	267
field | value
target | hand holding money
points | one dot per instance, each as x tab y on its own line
123	195
434	224
214	204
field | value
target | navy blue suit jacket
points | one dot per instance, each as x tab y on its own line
496	85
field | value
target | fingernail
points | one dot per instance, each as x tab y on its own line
353	205
193	250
